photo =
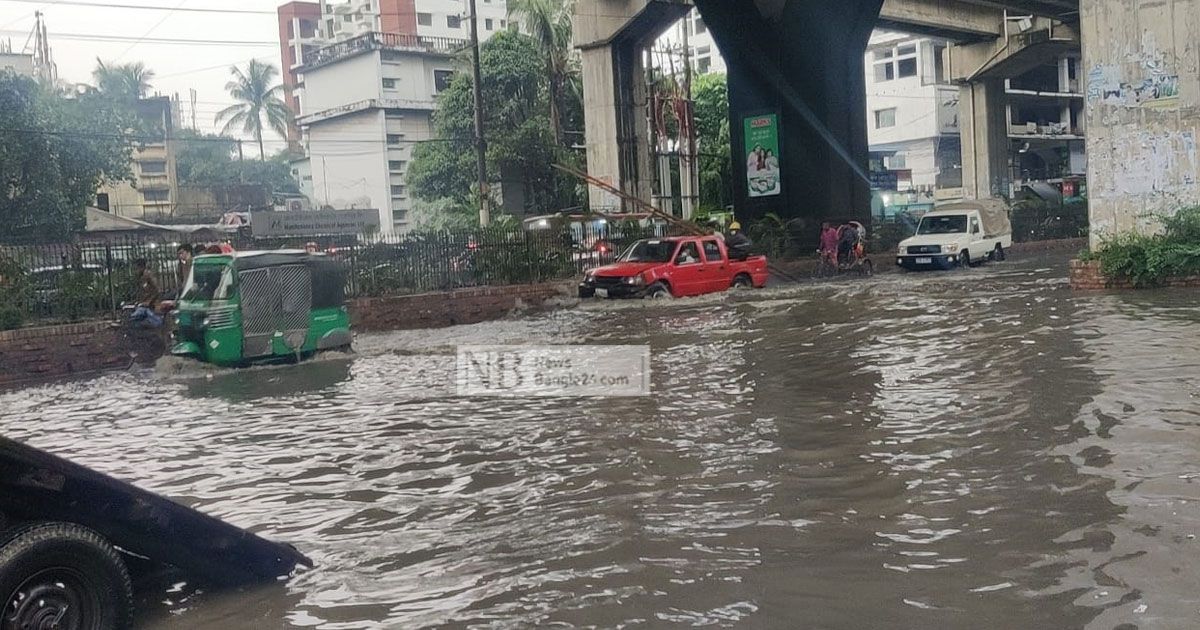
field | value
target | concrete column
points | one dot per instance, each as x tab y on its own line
600	124
985	147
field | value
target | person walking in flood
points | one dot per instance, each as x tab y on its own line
828	245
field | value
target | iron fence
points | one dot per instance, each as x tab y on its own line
50	282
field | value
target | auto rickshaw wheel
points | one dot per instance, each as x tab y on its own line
61	576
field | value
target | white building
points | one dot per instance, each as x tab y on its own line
368	102
705	57
363	76
912	114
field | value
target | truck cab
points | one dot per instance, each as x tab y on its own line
958	235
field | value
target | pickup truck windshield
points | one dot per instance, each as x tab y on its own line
952	224
650	251
207	283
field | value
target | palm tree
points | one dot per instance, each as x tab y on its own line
257	100
127	81
548	22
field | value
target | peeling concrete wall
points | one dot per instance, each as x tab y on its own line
1142	60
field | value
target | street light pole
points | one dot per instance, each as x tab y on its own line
485	216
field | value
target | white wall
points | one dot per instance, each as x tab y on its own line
348	81
495	10
672	39
348	158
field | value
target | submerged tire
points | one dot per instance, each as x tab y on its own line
742	281
658	291
62	575
998	254
964	259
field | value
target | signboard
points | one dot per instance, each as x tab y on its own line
761	151
883	180
317	223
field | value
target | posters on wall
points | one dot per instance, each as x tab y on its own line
761	150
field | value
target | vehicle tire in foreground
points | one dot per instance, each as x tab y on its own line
658	291
61	575
964	259
998	254
742	281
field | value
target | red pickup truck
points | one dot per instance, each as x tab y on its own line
674	267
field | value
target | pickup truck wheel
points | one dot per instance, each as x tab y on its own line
742	281
964	259
586	293
998	254
61	575
658	291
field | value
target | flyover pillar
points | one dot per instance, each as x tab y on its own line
983	125
612	36
1142	111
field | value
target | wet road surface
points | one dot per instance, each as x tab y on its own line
978	449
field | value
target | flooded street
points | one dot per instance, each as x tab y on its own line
978	449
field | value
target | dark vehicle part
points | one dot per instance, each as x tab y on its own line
36	486
61	575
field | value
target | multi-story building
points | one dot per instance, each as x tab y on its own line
1045	124
702	48
368	103
362	77
154	191
912	114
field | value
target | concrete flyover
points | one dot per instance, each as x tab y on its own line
801	61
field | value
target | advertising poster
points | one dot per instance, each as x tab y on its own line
762	155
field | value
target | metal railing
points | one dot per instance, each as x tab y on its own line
379	41
56	282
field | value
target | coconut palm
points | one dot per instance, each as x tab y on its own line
127	81
548	22
259	98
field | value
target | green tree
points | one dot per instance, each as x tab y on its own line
259	99
54	153
711	96
125	82
205	159
521	143
548	22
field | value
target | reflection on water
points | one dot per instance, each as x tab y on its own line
960	450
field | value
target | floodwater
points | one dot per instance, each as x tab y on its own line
978	449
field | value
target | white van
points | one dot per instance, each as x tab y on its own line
958	235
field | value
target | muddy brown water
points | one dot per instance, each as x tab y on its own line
978	449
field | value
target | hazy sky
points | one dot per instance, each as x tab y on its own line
177	67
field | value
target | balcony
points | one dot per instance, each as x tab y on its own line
358	106
382	41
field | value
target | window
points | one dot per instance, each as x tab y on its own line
688	254
489	24
389	84
152	196
896	162
394	138
396	166
398	190
885	118
503	24
700	26
884	72
703	50
347	17
712	253
442	80
425	19
703	65
883	54
102	201
910	49
157	167
329	26
453	21
906	68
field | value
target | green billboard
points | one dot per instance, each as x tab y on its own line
761	150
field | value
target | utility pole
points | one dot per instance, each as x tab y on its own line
241	163
689	174
485	215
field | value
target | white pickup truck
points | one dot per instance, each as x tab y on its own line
959	234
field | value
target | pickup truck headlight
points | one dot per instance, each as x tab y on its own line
588	276
953	247
636	281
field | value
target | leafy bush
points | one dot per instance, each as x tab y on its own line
10	318
1036	220
1149	260
772	236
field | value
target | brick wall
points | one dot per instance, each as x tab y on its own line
449	308
46	352
1087	276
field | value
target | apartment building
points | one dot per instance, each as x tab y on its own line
154	192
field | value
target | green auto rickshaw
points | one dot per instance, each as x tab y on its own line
249	307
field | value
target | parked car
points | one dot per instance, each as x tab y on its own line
958	235
673	267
